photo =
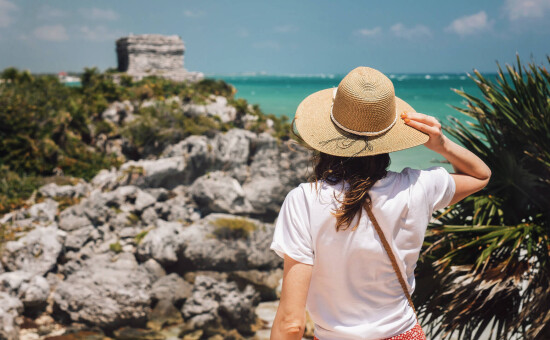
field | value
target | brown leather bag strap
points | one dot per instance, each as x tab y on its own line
386	246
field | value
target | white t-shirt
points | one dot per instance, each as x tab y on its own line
354	292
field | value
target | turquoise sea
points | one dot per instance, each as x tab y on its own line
426	93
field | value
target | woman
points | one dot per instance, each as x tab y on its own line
351	238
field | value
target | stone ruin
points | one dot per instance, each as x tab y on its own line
153	54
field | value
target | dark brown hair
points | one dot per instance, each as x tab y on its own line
359	172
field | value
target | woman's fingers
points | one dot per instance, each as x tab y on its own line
430	130
422	122
420	117
427	124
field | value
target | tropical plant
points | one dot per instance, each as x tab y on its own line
486	265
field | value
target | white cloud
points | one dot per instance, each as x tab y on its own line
99	14
51	33
470	24
47	12
369	32
100	33
6	15
193	14
285	29
269	44
520	9
411	33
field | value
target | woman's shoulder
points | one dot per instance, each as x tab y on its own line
416	173
312	190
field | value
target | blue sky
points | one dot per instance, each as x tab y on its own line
280	37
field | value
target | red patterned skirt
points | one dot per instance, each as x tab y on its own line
415	333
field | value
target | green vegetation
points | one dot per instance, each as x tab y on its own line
140	236
233	228
115	247
487	263
50	128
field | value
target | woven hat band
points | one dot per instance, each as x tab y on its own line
364	103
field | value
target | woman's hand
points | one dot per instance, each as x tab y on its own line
471	173
430	126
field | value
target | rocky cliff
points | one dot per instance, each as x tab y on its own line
172	246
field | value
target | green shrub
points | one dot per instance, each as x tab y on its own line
115	247
233	228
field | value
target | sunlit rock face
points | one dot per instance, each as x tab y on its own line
153	54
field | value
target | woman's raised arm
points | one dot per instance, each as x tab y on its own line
471	173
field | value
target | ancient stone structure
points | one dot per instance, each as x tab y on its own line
153	54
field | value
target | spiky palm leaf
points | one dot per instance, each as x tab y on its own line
488	256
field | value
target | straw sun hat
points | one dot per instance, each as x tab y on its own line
359	118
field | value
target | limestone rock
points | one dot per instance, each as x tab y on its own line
164	172
34	293
104	292
220	304
171	288
53	190
44	211
218	107
119	112
202	250
265	283
218	192
36	252
10	308
164	313
161	243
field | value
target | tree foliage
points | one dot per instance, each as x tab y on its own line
486	265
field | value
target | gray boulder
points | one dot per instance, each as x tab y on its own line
53	190
32	290
44	211
10	308
216	305
164	172
218	192
199	155
105	292
73	218
119	112
264	282
218	107
177	209
36	252
201	249
274	171
172	288
77	238
106	179
161	243
10	282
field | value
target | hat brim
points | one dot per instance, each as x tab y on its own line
315	127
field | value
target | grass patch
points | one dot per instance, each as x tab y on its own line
233	228
116	247
140	236
132	219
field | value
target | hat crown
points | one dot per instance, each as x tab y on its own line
365	102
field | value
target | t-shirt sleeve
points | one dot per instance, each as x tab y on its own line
292	234
439	187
